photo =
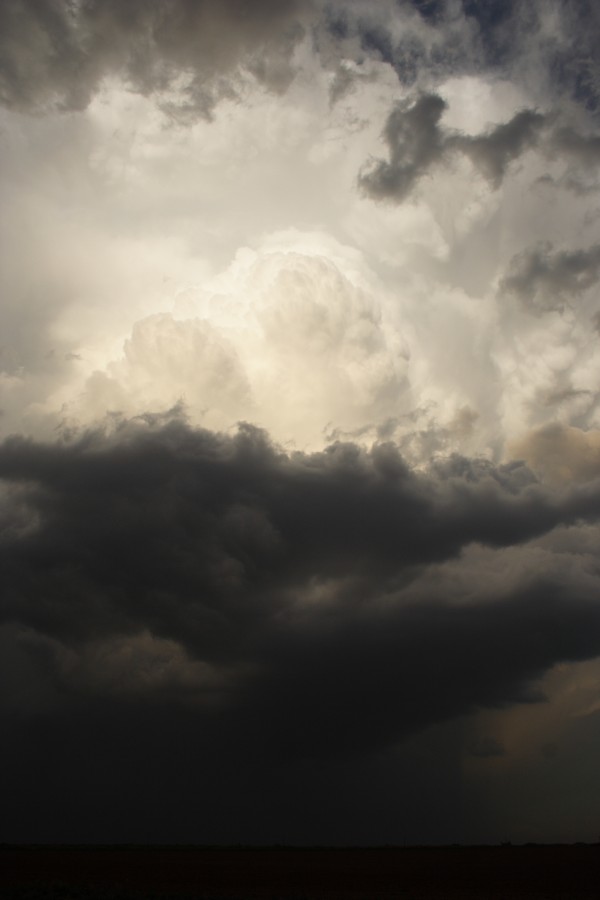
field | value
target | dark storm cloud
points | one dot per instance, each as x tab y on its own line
376	678
57	53
487	747
547	279
205	638
417	142
294	579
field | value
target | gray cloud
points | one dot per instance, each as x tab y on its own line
416	143
430	42
493	152
547	47
545	279
56	54
562	453
487	747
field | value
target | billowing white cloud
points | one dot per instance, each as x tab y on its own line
292	344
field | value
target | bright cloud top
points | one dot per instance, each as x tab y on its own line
317	263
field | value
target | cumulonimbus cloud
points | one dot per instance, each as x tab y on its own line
204	634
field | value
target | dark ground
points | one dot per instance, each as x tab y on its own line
420	873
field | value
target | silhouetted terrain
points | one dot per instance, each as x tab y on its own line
421	873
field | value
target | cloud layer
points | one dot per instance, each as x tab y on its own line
311	609
299	420
59	54
275	567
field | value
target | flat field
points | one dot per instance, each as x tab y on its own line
406	873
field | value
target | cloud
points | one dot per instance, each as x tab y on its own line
283	339
417	143
57	54
583	148
547	47
328	628
175	559
492	153
419	48
544	279
561	453
176	359
190	53
487	747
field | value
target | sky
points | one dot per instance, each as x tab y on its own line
300	421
